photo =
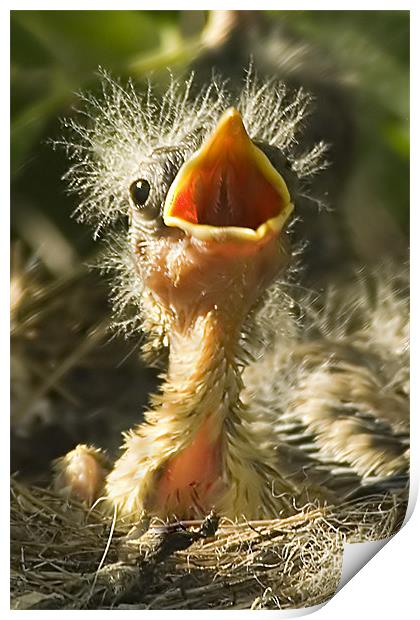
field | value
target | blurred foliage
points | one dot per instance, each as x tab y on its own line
372	48
55	54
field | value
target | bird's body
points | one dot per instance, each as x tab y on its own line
208	195
349	369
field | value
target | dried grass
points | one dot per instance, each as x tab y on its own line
66	557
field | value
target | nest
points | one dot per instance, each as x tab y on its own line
65	556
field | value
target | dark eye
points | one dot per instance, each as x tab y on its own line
139	192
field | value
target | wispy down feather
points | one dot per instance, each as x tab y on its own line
127	134
113	138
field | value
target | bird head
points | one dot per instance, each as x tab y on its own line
217	241
208	190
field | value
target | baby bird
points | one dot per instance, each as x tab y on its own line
257	413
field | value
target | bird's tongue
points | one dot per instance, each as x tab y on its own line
228	184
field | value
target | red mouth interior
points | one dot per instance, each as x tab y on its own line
227	195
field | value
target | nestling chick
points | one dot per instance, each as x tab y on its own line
208	190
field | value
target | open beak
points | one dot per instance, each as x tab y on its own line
228	189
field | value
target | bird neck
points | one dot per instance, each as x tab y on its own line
200	447
203	375
213	456
201	389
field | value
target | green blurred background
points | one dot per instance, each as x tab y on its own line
54	54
